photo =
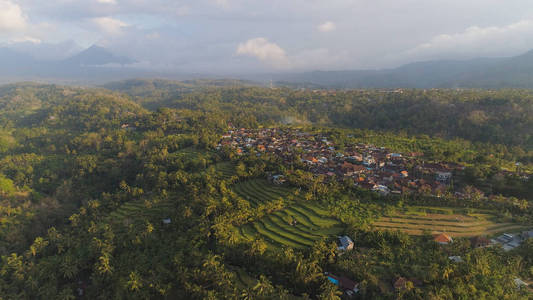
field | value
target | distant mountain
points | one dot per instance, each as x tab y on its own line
516	72
11	59
97	56
97	65
93	65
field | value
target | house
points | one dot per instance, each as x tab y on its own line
456	259
278	179
166	221
355	158
128	127
443	239
347	285
443	176
350	169
479	242
369	160
346	243
505	238
508	241
381	189
519	283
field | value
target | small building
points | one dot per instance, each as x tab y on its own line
480	242
394	155
349	286
278	179
381	189
443	176
346	243
443	239
456	259
128	127
519	283
166	221
505	238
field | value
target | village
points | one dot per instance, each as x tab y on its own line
372	168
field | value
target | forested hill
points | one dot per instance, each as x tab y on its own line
491	73
77	109
101	198
154	93
501	117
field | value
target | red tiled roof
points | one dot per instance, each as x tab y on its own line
442	238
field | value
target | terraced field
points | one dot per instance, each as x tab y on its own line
226	170
297	226
135	210
455	224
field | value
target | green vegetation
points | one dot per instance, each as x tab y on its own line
87	177
298	225
419	220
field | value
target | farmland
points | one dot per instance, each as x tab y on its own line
298	225
457	223
225	170
137	210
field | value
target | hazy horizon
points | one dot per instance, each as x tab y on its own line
236	36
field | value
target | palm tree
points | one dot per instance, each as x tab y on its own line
329	292
248	294
263	286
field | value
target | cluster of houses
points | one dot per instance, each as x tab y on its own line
510	241
374	168
350	287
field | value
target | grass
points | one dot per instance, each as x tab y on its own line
456	222
299	225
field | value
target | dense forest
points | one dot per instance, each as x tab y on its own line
120	192
498	117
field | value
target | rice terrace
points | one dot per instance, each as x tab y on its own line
456	222
302	223
298	225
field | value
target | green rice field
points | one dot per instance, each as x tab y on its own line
416	220
297	226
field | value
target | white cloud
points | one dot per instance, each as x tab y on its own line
107	1
12	18
265	51
25	39
109	25
478	41
327	26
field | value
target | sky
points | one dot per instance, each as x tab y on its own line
250	36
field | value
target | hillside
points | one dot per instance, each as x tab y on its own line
90	182
500	117
490	73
